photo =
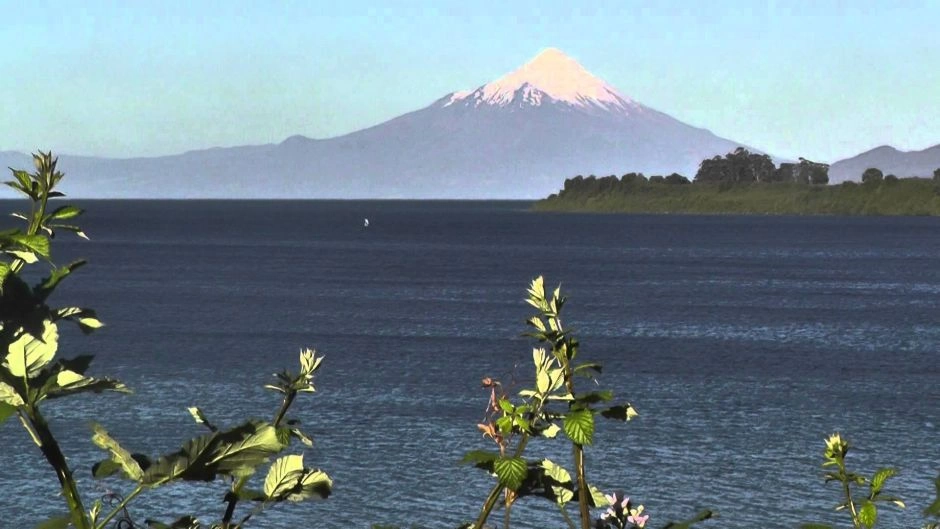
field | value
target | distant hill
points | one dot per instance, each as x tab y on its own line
890	160
519	136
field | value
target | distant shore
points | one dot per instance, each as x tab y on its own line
908	196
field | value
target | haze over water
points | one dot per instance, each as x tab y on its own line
742	341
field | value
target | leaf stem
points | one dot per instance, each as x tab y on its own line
56	459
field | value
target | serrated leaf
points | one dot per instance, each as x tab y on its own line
510	471
119	454
868	514
555	471
27	355
579	426
9	395
880	477
283	475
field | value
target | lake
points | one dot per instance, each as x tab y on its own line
742	341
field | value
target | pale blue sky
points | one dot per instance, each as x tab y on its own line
820	79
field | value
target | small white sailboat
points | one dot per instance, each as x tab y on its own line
365	223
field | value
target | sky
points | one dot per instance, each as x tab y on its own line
820	79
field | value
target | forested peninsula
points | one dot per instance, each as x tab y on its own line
742	182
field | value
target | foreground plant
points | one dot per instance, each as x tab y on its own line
30	374
554	405
863	509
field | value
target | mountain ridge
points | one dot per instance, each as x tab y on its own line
520	136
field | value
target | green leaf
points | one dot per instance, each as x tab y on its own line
481	459
283	475
287	479
510	471
64	212
624	412
28	354
6	411
548	432
579	426
38	244
879	478
934	508
119	455
9	395
868	514
86	385
200	418
555	471
236	452
57	275
27	257
301	436
505	405
58	522
594	397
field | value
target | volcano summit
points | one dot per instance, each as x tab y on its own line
519	136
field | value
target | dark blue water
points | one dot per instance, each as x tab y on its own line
742	341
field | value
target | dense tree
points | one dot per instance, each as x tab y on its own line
657	179
676	179
872	174
740	166
813	173
936	174
891	179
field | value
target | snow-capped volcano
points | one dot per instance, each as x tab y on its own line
551	74
519	136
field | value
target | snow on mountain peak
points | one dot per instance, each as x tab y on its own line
550	73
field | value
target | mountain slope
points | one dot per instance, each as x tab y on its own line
519	136
902	164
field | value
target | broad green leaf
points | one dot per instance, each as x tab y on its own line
9	395
236	452
67	377
283	475
868	514
58	522
49	284
556	472
579	426
549	432
4	270
879	478
84	385
119	455
505	405
64	212
314	484
27	257
287	479
598	499
28	354
239	451
510	471
38	244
